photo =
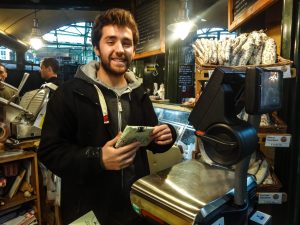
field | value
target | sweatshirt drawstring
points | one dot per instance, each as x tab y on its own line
103	104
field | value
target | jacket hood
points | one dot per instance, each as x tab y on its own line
88	73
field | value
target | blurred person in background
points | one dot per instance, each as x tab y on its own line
49	71
5	92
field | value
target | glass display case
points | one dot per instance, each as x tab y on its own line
178	116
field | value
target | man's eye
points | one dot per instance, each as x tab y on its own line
127	44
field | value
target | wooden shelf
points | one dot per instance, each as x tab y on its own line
235	22
28	144
24	155
18	198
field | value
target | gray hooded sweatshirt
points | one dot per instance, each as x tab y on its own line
118	107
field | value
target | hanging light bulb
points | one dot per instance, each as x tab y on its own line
183	25
36	40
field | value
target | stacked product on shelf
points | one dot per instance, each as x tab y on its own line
254	48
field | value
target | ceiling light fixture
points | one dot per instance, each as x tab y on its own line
36	40
183	25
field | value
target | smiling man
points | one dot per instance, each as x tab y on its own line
5	92
3	72
84	120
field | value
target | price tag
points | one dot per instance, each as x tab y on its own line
282	141
270	198
260	218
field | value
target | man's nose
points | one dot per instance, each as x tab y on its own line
119	47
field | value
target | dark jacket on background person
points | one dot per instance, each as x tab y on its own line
55	80
72	136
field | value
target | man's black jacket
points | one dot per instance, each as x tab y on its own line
72	133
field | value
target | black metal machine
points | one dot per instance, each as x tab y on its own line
192	192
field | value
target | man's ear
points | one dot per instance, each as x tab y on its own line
96	50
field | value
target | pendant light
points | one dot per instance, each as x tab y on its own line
36	40
183	25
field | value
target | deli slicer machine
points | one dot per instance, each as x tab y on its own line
20	117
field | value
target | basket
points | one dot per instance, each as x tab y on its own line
279	126
280	62
275	187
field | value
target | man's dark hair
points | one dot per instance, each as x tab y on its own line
51	62
119	17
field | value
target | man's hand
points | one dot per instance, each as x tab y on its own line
122	157
162	135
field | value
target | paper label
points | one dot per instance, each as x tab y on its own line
260	217
282	141
87	219
269	198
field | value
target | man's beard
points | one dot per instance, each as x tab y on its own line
106	66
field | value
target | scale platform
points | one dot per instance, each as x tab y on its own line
186	193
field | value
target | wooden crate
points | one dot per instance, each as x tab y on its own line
275	187
279	126
204	71
280	62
